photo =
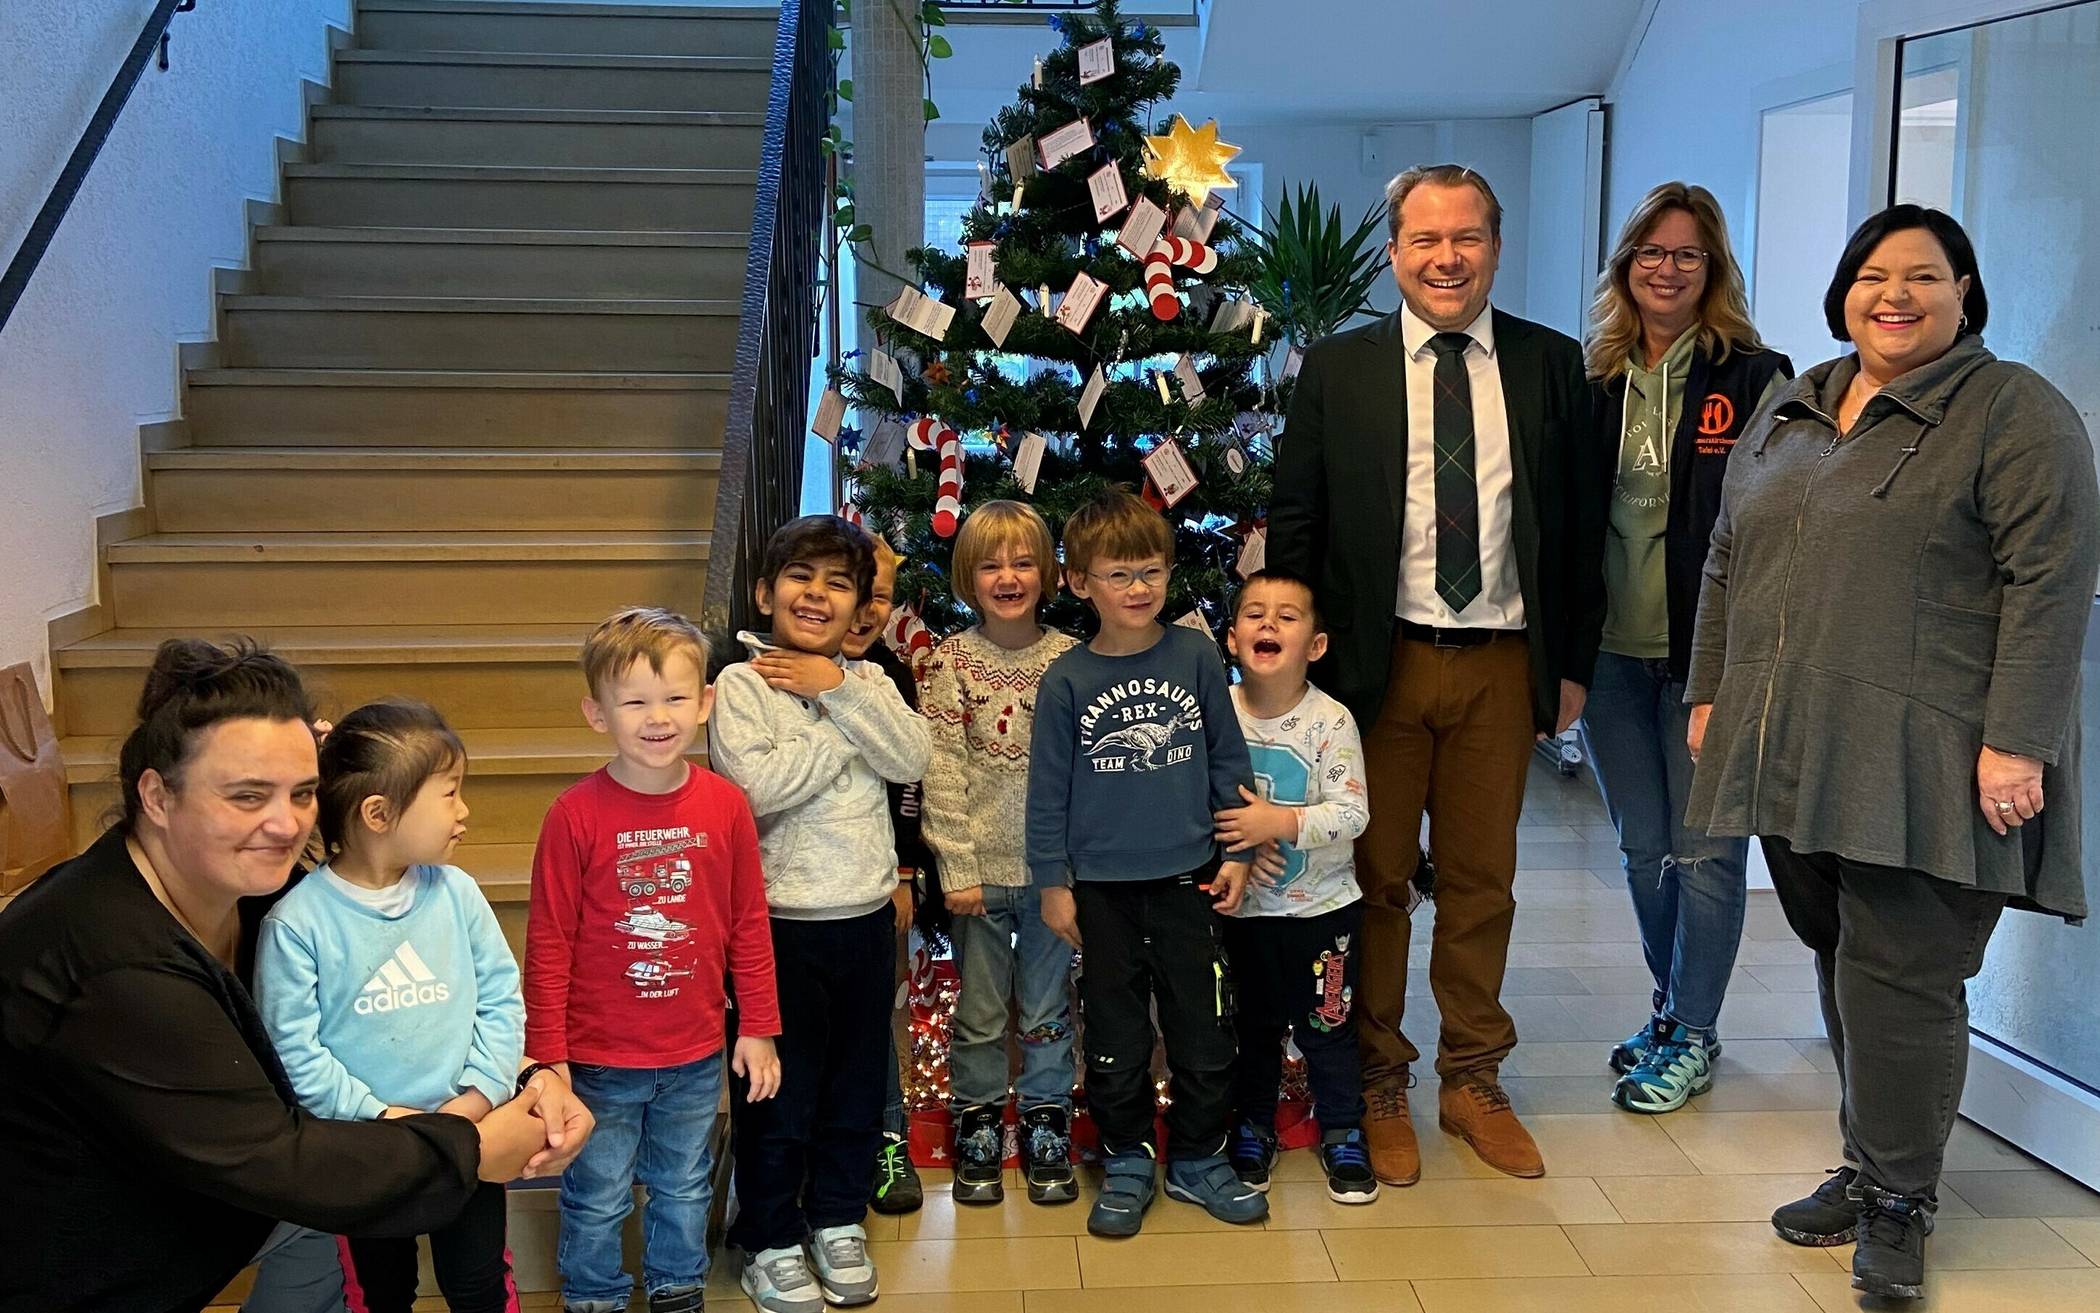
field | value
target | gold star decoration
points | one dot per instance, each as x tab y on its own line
1191	160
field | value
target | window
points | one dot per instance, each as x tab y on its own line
1803	170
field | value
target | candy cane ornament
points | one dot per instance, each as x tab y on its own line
947	509
908	638
1159	282
926	433
1193	256
851	515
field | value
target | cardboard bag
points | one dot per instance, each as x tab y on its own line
34	831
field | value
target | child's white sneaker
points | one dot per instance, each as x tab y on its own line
779	1281
844	1269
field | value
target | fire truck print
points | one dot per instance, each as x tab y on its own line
663	868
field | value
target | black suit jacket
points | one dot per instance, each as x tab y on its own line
1341	492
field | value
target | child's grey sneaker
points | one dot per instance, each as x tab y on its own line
779	1281
844	1270
1126	1192
1212	1184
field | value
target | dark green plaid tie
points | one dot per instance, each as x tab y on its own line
1457	490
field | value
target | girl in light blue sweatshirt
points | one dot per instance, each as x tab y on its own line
386	984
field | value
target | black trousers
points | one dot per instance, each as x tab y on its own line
1894	951
1298	974
805	1158
1155	942
472	1272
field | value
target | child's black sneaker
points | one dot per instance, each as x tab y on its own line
1347	1161
1825	1218
980	1154
1253	1154
897	1185
1046	1140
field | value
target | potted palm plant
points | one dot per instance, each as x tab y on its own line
1315	275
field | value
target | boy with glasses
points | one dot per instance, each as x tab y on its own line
1136	744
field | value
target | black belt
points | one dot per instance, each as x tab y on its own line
1450	637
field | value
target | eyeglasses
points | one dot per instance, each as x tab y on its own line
1688	259
1120	581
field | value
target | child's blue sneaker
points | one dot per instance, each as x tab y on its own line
1212	1183
1254	1154
1126	1192
1347	1162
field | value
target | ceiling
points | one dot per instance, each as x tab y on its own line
1340	61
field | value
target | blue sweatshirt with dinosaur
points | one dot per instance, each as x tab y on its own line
1130	757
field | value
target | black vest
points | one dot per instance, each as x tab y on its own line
1718	401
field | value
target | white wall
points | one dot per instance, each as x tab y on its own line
91	350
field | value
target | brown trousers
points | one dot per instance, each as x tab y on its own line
1454	738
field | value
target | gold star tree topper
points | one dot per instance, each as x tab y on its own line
1191	160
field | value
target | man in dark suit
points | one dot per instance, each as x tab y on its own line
1438	478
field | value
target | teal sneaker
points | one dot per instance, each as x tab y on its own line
1211	1184
1628	1052
1126	1192
1677	1065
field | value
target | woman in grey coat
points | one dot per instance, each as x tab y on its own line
1884	683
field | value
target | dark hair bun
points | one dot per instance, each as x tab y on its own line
193	668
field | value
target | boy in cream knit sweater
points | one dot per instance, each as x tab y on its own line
979	695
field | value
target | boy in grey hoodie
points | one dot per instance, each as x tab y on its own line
813	739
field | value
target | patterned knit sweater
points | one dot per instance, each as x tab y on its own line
980	700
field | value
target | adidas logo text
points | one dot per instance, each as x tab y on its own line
403	981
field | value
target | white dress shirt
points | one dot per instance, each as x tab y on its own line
1500	602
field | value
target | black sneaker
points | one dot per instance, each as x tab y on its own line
980	1154
1826	1218
897	1187
1348	1165
679	1299
1253	1154
1046	1137
1890	1259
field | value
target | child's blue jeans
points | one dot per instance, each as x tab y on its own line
655	1125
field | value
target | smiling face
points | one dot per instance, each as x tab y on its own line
1445	255
1009	584
812	603
1127	595
1904	307
653	716
1273	634
434	821
239	812
875	613
1668	297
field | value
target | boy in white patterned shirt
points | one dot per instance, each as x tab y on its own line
1293	941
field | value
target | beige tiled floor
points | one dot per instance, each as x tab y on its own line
1669	1210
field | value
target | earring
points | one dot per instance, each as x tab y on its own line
1962	326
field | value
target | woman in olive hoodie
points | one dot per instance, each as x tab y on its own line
1677	372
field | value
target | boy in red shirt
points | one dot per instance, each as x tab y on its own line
646	892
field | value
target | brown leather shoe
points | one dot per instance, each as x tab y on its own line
1396	1159
1475	1107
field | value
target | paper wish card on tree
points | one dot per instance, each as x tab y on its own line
1028	461
831	412
1057	147
1020	159
1001	314
1195	221
884	447
1081	301
1254	552
1170	470
1141	228
922	313
1191	383
882	367
1110	200
980	274
1097	61
1090	396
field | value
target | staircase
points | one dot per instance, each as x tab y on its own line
469	396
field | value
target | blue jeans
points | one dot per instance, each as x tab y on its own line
1688	891
1005	953
655	1124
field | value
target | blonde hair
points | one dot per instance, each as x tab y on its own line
992	528
1118	525
1439	175
886	556
1724	309
640	633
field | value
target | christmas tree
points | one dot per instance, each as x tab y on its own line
1095	321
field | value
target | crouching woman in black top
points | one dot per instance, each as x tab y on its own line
148	1137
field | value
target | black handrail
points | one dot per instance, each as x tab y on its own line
761	480
45	226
